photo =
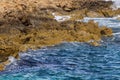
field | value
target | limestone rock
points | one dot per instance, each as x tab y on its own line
2	67
95	43
93	14
106	31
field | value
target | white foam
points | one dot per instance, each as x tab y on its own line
109	22
88	18
28	75
116	17
25	54
116	4
11	59
118	33
61	18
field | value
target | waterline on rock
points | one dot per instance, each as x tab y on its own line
72	60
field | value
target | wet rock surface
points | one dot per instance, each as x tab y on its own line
30	24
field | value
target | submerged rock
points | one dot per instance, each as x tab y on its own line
95	43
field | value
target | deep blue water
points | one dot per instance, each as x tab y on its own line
70	61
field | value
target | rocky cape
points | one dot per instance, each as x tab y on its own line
29	24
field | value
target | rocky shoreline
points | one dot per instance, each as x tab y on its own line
30	24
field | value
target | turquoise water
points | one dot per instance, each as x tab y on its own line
71	61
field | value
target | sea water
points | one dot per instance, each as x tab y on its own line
70	61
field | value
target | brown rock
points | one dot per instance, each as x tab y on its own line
30	25
93	14
106	31
95	43
2	67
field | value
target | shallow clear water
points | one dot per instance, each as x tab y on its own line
70	61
